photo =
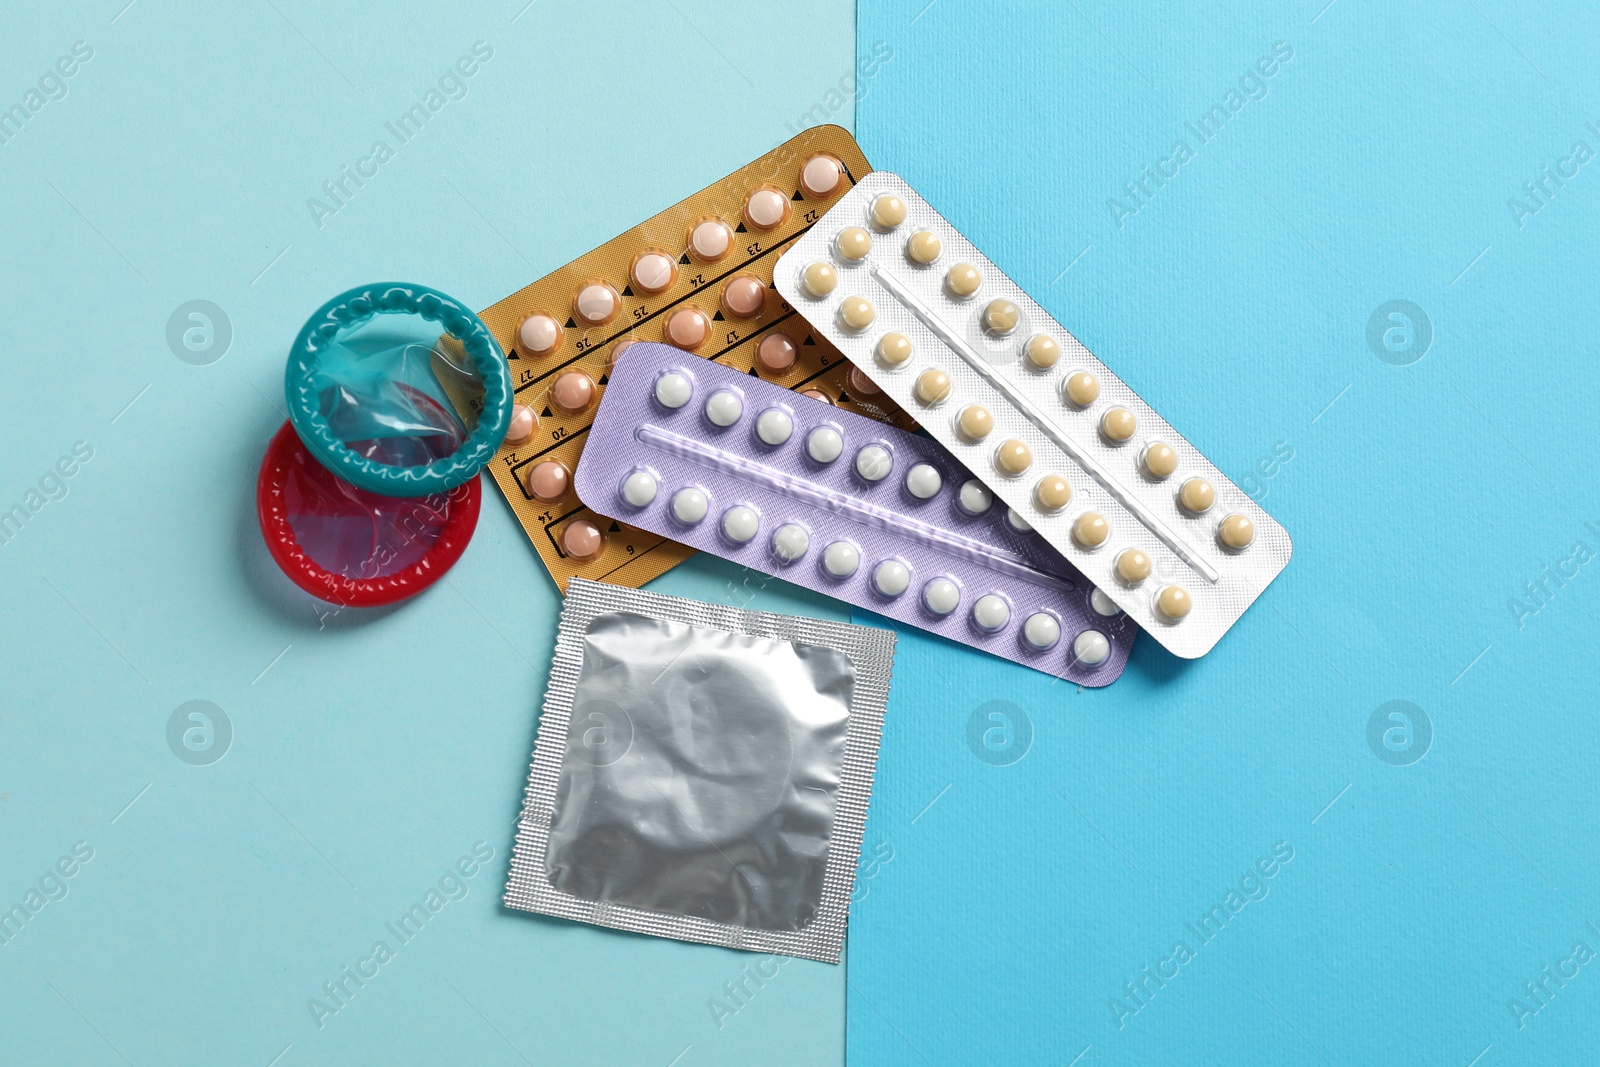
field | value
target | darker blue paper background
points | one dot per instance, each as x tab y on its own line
1003	907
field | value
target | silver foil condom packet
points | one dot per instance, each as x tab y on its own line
702	772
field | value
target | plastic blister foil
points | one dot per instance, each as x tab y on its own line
702	772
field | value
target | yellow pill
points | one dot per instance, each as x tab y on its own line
1042	351
1013	456
856	312
1159	459
924	247
975	422
1197	495
888	211
853	243
1001	317
1090	529
819	279
933	386
1174	602
1117	424
1133	566
963	279
1053	492
894	348
1236	531
1080	389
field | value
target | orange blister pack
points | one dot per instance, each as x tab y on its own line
698	276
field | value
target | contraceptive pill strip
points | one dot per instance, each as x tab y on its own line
869	514
697	276
1042	422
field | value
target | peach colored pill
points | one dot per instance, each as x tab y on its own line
547	481
572	392
820	176
888	211
744	297
1236	531
924	247
963	280
596	303
1159	459
710	240
1117	424
523	424
1000	317
1013	456
776	353
857	313
688	328
975	422
1042	351
1090	529
582	540
766	208
1197	495
818	395
894	348
538	334
1080	389
819	279
853	243
1053	492
860	383
1174	602
932	386
1133	566
653	271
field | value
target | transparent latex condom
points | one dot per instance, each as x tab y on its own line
376	387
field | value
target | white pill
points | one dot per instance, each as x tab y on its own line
975	497
539	334
639	488
596	303
923	481
724	407
1042	630
873	463
1015	520
891	577
653	272
991	612
941	596
774	426
824	444
1103	605
739	524
673	390
1091	648
689	505
790	542
841	559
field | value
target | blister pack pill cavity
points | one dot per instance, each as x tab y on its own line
699	276
869	514
702	772
1015	396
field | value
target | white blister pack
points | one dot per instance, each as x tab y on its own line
1028	409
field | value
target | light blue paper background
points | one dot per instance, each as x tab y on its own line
1019	899
367	755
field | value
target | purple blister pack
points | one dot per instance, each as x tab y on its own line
874	516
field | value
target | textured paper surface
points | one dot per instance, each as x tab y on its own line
1002	908
366	755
